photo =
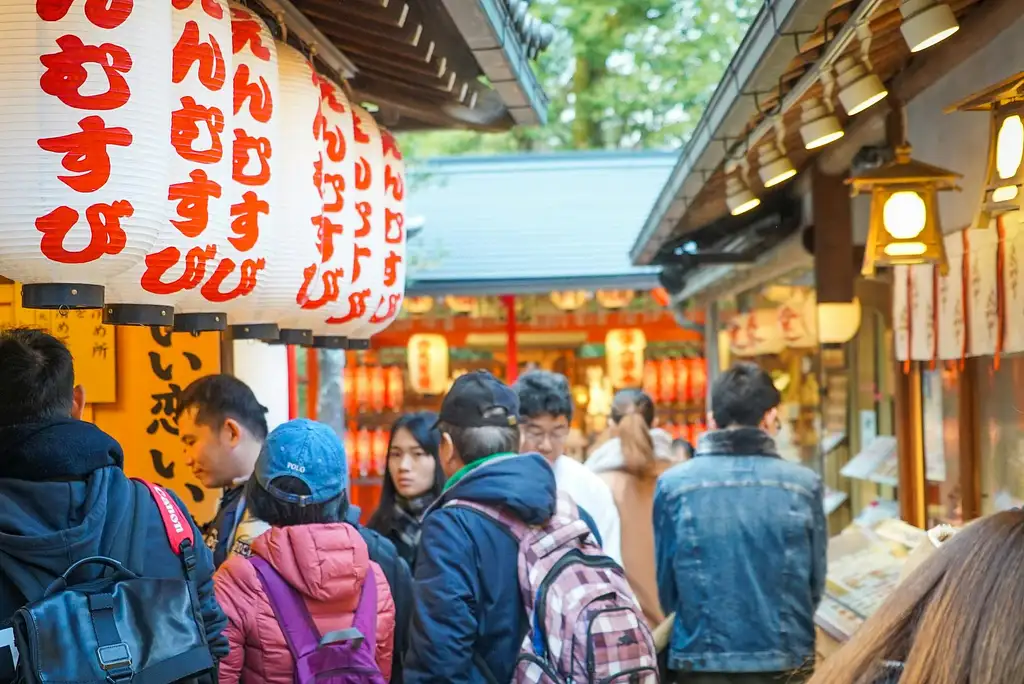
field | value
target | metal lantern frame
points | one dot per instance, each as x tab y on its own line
1002	101
904	174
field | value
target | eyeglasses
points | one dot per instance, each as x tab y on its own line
537	435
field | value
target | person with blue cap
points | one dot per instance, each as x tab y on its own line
309	552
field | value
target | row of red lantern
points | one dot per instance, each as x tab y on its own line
374	388
676	381
174	161
367	452
691	432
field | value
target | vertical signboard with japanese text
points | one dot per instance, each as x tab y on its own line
153	367
92	343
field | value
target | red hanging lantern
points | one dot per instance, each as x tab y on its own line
667	381
396	388
683	381
378	389
651	379
380	452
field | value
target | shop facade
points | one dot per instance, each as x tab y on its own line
915	282
552	290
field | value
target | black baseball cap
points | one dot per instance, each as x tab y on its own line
471	401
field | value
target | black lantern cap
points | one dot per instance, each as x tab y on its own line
62	296
138	314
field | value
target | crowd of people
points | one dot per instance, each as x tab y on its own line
492	556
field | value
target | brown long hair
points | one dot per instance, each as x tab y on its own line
956	619
633	412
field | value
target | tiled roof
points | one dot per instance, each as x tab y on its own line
532	223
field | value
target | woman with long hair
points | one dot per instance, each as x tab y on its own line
955	619
413	481
631	468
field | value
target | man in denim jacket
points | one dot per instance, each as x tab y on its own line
741	542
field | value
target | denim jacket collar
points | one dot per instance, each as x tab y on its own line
744	441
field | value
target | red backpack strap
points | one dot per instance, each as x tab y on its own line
177	524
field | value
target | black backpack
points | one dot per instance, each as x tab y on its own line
120	627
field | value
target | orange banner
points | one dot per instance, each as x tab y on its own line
92	344
153	367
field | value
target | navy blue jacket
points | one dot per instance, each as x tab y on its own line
48	524
468	609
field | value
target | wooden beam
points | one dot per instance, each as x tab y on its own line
978	28
834	270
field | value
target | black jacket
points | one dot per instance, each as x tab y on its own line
396	570
65	497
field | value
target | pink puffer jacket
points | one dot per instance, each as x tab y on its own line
327	564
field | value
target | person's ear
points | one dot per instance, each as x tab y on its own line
231	432
712	423
78	402
446	454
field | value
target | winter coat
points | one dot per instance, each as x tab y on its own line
468	610
327	564
382	552
65	497
634	498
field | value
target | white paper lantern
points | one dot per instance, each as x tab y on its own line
624	355
197	222
83	167
245	280
340	218
299	164
388	243
427	356
798	320
365	278
756	333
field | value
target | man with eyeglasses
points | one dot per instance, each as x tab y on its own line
545	408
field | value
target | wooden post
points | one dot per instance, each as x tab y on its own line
969	425
910	445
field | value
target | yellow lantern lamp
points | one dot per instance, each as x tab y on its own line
905	226
418	306
1004	184
569	301
615	299
460	305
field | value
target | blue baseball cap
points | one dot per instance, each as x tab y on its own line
309	451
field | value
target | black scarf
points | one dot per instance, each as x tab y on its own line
58	449
745	441
408	518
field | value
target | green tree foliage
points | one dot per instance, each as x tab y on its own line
620	74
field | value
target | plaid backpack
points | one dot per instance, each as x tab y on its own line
585	624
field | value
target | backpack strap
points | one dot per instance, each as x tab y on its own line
178	527
516	527
366	612
289	607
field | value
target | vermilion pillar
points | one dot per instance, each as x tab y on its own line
512	348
